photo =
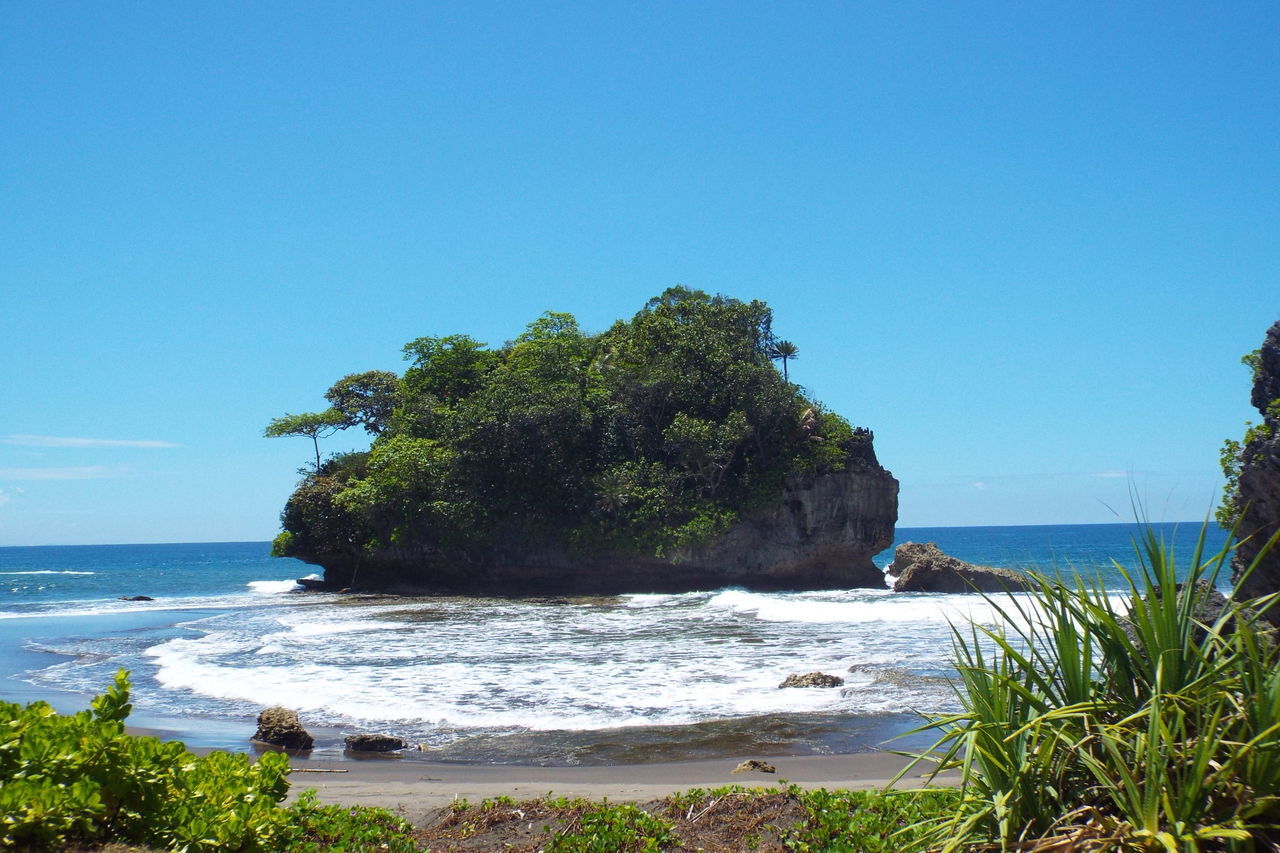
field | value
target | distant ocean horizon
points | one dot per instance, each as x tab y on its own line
591	680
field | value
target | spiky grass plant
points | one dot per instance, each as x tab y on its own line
1097	721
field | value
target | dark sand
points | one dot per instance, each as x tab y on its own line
417	789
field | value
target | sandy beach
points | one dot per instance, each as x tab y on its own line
418	789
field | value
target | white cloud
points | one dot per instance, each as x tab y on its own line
1111	475
71	441
81	472
979	485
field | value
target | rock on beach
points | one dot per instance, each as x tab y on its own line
374	743
278	726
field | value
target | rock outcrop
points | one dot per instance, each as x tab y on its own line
913	552
922	567
1260	481
821	534
374	743
281	727
812	679
755	765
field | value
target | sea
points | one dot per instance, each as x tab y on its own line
537	681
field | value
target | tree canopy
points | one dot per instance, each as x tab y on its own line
312	425
655	433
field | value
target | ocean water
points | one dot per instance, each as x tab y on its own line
620	679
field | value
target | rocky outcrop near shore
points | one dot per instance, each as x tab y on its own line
278	726
821	534
922	567
812	679
1259	482
374	743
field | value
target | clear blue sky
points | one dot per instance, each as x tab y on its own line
1025	243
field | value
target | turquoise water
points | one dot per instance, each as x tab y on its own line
558	681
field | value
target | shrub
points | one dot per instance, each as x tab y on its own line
78	779
867	821
1088	723
323	828
606	828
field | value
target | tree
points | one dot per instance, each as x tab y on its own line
313	425
449	368
365	399
784	351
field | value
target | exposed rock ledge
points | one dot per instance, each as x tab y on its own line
821	534
922	567
1260	483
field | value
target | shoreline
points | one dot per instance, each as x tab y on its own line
418	790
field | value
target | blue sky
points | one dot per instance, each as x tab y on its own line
1025	243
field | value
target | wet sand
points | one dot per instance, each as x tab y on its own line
419	789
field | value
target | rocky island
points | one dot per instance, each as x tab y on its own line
665	454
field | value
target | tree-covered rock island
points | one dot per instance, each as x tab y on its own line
665	454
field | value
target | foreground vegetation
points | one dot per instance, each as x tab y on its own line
1092	723
81	780
654	434
732	818
1149	721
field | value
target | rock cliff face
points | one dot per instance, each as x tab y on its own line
1260	481
821	534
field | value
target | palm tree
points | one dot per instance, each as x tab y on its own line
784	351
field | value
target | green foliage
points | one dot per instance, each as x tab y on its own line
446	370
868	821
365	399
784	351
321	828
653	435
606	828
312	425
1232	458
1090	724
81	778
315	520
1233	455
282	544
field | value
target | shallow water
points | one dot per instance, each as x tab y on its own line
564	681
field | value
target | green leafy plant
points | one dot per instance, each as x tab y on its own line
319	828
81	777
867	821
1091	721
606	828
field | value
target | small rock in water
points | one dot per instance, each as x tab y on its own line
812	679
375	743
136	598
279	726
755	765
